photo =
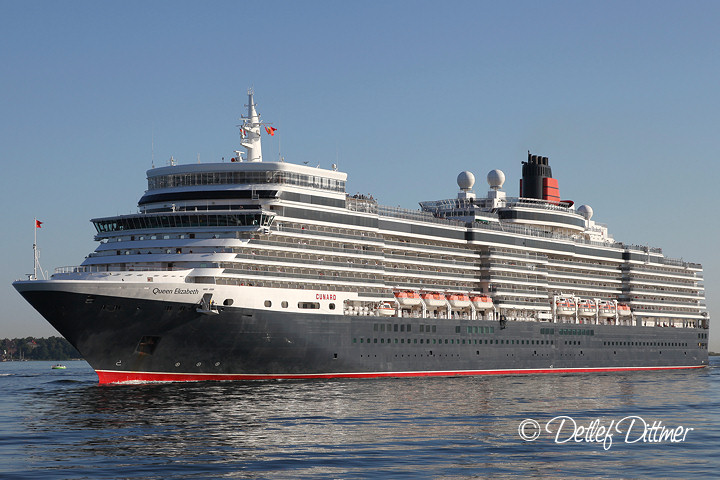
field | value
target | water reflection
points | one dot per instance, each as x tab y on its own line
390	427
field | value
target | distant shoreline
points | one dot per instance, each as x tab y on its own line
46	360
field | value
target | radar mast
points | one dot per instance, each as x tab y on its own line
250	131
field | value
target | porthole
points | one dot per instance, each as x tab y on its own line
284	304
332	306
228	302
268	303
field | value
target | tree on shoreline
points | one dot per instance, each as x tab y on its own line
30	348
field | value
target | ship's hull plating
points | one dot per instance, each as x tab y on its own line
128	339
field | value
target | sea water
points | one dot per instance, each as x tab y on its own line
62	424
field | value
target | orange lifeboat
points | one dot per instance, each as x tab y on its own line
482	302
433	299
623	310
565	306
407	299
459	300
606	309
586	308
386	309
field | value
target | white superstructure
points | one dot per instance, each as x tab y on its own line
288	237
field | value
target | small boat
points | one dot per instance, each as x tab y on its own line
482	302
459	301
58	367
565	306
606	309
623	310
408	299
434	299
586	308
386	309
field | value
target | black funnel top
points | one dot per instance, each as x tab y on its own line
537	179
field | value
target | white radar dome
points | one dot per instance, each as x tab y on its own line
586	211
495	179
466	180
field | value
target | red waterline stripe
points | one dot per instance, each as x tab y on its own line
113	376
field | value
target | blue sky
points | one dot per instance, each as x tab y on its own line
622	96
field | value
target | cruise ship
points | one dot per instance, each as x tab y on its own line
255	270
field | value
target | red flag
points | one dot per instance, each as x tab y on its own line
270	130
38	223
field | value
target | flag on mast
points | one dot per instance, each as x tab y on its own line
38	223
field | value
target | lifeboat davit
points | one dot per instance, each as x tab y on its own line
587	308
623	310
459	301
606	309
434	299
408	299
565	306
482	302
386	310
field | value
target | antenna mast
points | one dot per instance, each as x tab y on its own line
251	129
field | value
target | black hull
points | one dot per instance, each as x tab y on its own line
132	339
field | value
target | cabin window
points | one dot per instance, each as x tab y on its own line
312	305
268	303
